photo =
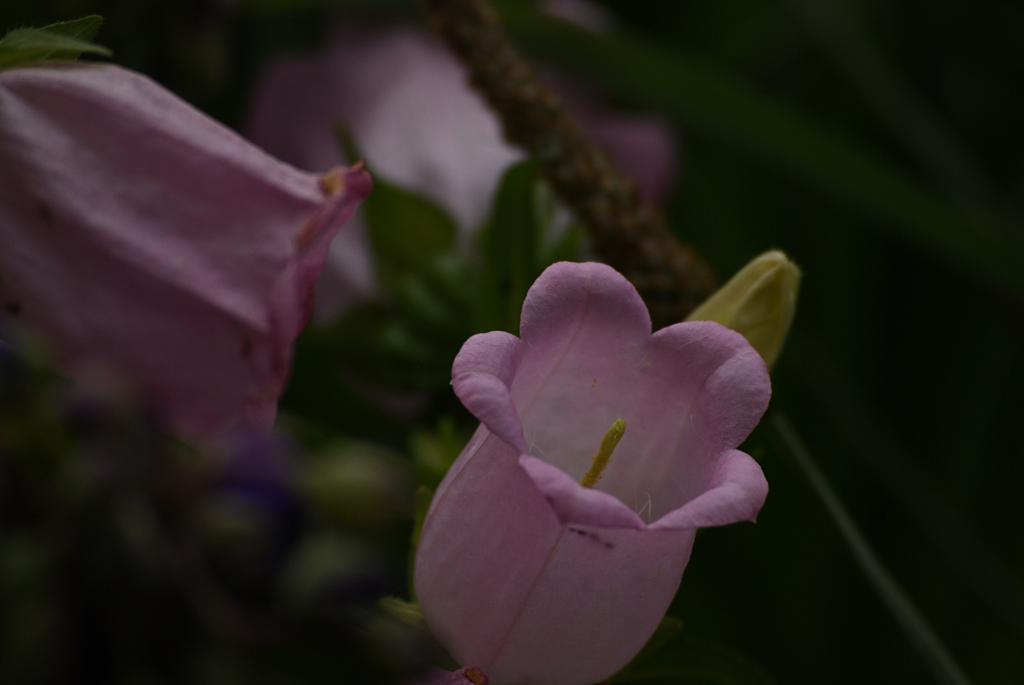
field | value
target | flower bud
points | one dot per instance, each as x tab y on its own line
759	302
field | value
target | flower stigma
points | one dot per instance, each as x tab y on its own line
604	453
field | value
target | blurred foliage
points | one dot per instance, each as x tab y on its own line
396	351
878	144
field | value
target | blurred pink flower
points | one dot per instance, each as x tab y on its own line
523	571
418	123
142	234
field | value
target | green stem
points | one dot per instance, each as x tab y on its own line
928	644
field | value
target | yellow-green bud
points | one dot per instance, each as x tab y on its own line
759	302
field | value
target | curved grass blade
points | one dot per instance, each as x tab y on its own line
928	644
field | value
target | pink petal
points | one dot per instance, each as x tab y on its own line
508	586
489	400
596	602
495	353
574	503
409	107
139	232
737	491
471	580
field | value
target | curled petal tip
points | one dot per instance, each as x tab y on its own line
354	179
333	182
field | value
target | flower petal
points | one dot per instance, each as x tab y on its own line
495	353
488	399
407	103
139	232
471	580
576	504
598	599
583	329
481	376
737	491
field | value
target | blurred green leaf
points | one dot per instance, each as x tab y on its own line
406	230
837	28
686	659
66	40
715	103
509	244
358	485
435	451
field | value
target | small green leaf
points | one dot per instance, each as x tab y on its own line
84	29
407	231
63	41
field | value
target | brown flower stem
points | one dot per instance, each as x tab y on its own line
671	277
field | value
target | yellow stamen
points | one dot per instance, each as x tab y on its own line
604	453
333	182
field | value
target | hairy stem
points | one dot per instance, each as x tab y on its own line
629	236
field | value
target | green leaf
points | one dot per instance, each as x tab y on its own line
435	451
721	105
63	41
406	230
687	659
84	29
510	245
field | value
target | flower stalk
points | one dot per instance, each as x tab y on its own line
631	237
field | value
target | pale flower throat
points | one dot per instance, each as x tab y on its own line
604	453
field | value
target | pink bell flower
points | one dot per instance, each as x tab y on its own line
141	234
523	571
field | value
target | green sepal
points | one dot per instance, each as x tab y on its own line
64	41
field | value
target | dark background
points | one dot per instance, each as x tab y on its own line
879	144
